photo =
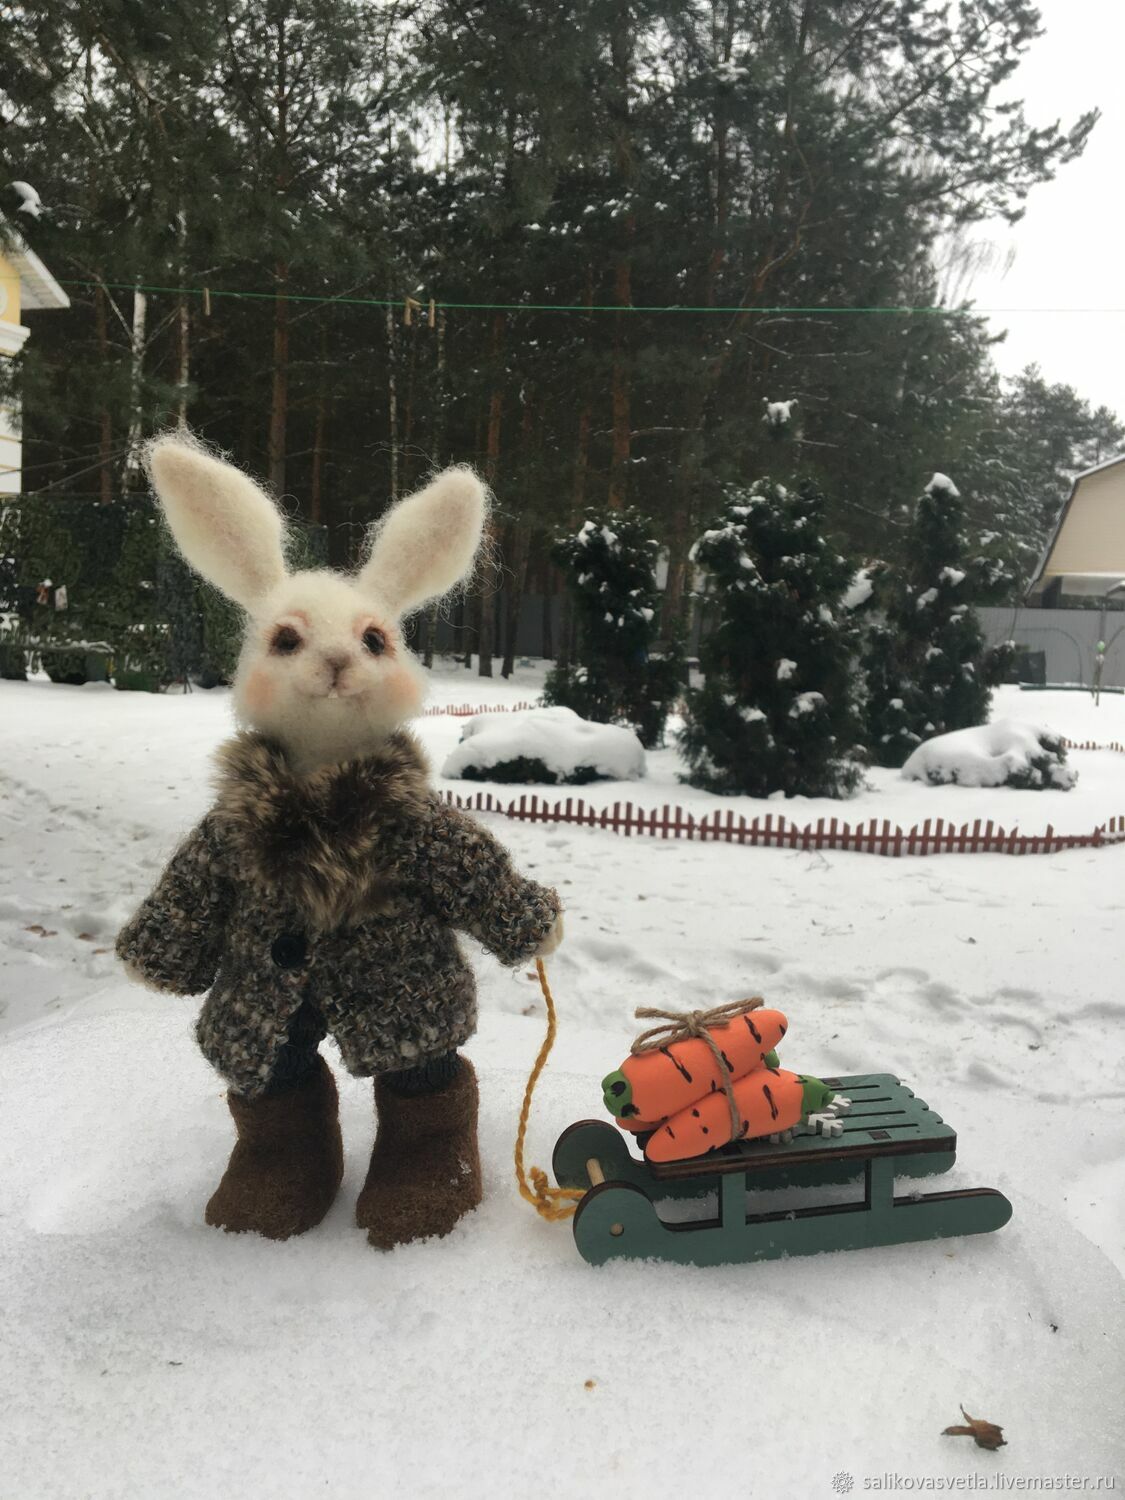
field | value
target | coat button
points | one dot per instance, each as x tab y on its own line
290	950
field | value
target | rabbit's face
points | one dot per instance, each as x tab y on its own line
324	670
323	667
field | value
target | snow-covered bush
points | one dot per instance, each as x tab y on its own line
777	711
1006	753
544	746
926	666
619	676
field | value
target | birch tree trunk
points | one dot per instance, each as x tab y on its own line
131	471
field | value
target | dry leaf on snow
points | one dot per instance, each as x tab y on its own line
984	1434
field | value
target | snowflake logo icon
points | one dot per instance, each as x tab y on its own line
842	1482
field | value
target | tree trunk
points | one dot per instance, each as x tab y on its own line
431	629
316	484
491	468
440	397
132	469
441	394
392	398
279	397
521	551
619	463
547	645
405	466
105	420
485	634
474	615
183	327
621	52
582	458
183	359
676	599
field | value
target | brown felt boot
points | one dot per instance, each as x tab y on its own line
287	1162
425	1168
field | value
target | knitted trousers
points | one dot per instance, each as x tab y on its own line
307	1030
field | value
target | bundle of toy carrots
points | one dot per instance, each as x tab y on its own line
676	1095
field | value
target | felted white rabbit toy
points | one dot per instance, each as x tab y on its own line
322	891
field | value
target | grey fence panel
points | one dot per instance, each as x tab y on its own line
1069	637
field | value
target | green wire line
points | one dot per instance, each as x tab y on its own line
421	306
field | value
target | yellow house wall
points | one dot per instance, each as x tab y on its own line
10	445
9	292
1092	539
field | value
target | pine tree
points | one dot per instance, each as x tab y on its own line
610	566
1019	469
777	711
925	663
611	157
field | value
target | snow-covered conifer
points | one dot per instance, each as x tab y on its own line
926	666
619	678
777	711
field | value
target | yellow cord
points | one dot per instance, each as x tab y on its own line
549	1202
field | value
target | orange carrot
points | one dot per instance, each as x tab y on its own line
767	1100
653	1085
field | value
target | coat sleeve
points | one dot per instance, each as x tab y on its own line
175	940
466	878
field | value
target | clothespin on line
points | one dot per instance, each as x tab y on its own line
411	305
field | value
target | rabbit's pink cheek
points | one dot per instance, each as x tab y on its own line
259	691
400	691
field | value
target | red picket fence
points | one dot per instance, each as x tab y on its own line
465	711
771	831
935	836
1094	745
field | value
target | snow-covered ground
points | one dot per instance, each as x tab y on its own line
142	1354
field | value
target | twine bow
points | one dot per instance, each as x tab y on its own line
682	1025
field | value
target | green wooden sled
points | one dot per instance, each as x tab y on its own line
888	1132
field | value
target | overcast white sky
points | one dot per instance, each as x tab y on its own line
1070	245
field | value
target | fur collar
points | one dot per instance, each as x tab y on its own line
314	839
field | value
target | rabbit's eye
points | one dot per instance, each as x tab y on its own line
374	640
285	641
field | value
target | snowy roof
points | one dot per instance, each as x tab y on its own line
38	288
1106	463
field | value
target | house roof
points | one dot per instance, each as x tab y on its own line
38	288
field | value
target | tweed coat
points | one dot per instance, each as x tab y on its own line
343	887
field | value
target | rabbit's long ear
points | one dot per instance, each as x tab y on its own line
228	529
426	543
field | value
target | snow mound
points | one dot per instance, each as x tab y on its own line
1004	753
544	745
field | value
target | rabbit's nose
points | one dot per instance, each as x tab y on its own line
337	664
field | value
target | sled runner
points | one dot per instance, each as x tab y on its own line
888	1132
